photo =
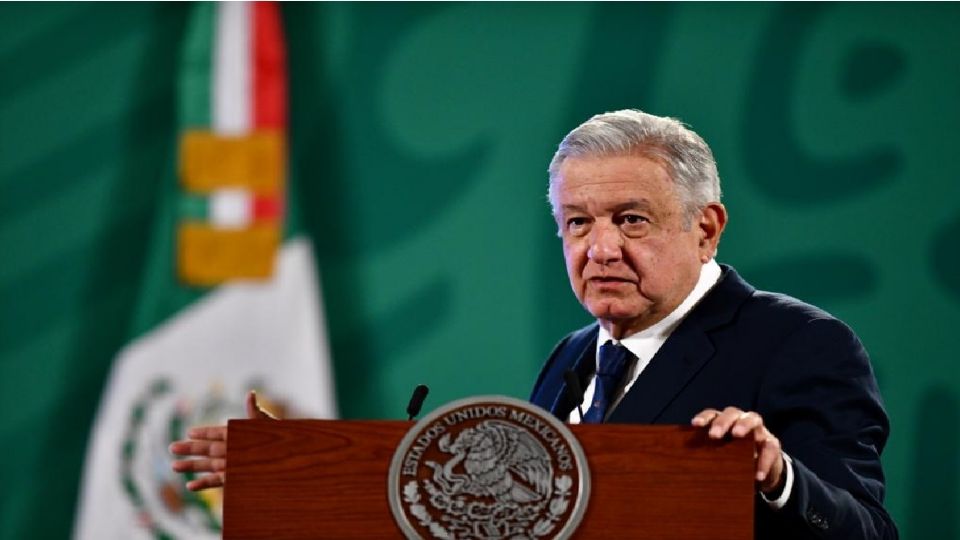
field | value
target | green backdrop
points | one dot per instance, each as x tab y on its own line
420	138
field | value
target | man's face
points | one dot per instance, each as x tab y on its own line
630	258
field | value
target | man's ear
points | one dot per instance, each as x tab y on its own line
712	220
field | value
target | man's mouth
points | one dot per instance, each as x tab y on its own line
609	279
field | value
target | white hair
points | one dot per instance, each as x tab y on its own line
687	157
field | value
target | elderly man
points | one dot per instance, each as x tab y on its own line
680	338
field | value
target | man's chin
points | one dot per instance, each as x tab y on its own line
615	313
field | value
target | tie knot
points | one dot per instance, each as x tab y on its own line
614	359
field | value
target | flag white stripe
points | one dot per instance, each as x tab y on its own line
231	208
232	70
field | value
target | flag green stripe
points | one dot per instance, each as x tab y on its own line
161	292
194	208
196	68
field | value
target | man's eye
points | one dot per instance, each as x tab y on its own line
633	219
577	225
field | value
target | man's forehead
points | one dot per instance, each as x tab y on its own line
648	157
611	206
621	172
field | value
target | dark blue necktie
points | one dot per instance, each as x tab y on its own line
614	361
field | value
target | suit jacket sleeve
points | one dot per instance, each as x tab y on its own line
821	400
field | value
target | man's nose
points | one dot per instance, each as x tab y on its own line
606	244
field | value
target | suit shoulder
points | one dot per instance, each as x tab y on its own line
574	341
781	318
775	316
784	310
583	333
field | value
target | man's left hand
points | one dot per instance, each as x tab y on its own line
739	424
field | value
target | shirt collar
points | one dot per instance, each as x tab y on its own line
709	276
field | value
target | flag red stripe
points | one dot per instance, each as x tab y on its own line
269	68
267	208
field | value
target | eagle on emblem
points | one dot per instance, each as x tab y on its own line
499	459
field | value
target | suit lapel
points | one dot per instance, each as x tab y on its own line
684	353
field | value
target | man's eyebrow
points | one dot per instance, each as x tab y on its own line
633	204
573	208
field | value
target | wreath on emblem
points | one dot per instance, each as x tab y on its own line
157	494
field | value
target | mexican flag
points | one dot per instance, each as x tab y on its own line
229	300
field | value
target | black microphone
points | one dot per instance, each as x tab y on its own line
416	400
574	391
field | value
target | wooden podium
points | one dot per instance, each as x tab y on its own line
308	479
300	479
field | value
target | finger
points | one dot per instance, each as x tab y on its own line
199	448
769	454
746	422
200	465
206	482
254	412
724	421
704	417
208	433
181	448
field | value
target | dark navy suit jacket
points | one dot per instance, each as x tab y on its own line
801	369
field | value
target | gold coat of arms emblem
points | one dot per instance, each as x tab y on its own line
489	467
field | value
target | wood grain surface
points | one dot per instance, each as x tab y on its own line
307	479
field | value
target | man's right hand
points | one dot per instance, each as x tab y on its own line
206	450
